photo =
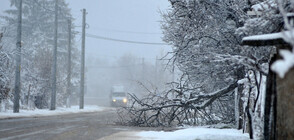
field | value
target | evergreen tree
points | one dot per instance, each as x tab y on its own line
37	35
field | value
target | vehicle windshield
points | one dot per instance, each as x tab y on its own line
119	94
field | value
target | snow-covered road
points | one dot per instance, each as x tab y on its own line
75	126
96	123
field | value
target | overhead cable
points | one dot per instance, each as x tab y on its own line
124	41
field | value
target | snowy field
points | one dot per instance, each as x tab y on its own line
197	133
47	112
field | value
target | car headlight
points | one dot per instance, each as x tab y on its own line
125	100
114	100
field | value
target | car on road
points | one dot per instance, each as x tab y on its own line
118	96
119	99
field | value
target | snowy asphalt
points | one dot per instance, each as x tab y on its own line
88	126
100	126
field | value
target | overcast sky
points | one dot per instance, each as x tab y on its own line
134	20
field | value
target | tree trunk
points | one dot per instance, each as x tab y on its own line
268	106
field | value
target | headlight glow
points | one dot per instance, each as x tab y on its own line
125	100
114	100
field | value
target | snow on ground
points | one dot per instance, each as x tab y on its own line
198	133
47	112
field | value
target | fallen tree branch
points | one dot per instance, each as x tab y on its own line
164	110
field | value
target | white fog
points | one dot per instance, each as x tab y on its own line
146	69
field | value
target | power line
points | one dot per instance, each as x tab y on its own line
112	56
129	32
124	41
112	67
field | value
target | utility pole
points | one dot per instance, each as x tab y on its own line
83	62
28	95
156	73
53	84
69	66
143	70
18	60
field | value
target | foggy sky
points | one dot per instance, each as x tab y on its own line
134	20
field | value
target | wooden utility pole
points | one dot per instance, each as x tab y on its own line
156	72
28	95
83	62
143	70
18	60
237	113
53	84
69	66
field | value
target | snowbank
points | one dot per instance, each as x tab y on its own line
47	112
195	133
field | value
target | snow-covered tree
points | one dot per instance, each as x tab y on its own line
206	48
206	38
37	35
5	73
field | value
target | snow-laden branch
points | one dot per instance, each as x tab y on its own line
156	110
281	67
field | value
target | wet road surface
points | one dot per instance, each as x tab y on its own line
86	126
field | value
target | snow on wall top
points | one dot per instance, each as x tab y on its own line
264	5
263	37
268	39
282	66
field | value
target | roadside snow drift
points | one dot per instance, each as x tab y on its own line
195	134
47	112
